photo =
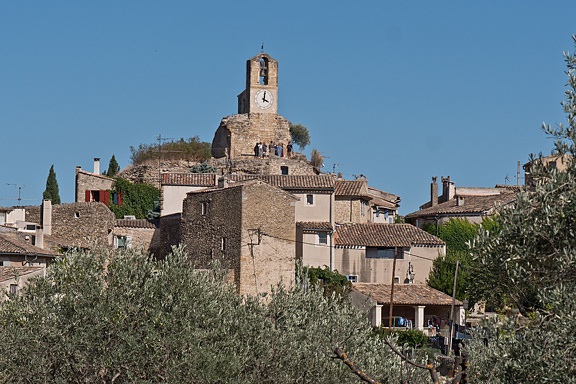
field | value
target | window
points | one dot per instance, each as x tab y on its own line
385	253
322	238
77	214
13	289
121	242
309	199
364	205
352	278
204	208
223	243
284	170
263	71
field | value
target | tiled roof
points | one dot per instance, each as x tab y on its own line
15	243
291	181
315	225
405	294
189	179
8	273
383	235
137	223
351	188
471	205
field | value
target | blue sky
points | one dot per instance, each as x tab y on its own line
398	91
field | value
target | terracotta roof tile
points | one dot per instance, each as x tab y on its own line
471	204
383	235
8	273
325	182
405	294
189	179
15	243
351	188
137	223
315	225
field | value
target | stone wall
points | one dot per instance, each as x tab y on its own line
170	235
78	224
350	211
87	181
237	134
249	228
267	166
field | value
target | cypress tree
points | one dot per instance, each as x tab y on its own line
113	167
51	191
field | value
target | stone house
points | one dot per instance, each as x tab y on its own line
175	186
248	228
554	161
13	279
472	204
365	252
94	187
136	233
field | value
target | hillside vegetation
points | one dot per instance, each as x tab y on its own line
191	149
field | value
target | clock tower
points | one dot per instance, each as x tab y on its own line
257	120
261	93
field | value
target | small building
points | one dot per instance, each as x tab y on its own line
175	186
248	228
95	187
470	203
419	303
135	233
365	253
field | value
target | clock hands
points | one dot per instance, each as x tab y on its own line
264	98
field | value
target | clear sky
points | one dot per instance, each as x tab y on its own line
399	91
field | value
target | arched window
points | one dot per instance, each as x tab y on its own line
263	71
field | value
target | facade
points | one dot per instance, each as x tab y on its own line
554	161
257	119
472	204
365	253
248	228
135	233
418	303
94	187
175	186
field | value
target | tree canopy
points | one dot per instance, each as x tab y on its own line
113	167
300	135
529	263
51	192
124	317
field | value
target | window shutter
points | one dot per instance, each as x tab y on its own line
88	195
105	197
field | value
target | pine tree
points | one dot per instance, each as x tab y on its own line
113	167
51	191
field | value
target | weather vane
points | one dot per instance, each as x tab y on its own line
262	48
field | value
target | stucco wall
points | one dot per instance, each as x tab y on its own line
319	211
314	254
372	270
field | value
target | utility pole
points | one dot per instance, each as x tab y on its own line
392	291
452	308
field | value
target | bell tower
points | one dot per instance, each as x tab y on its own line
261	93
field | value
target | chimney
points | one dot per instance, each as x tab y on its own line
39	237
97	165
459	201
448	189
223	182
46	217
434	192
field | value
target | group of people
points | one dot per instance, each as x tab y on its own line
263	150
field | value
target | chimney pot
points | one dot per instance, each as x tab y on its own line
97	165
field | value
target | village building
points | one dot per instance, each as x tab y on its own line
473	204
95	187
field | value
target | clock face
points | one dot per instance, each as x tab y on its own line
264	99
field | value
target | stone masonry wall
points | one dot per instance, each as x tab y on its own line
78	224
238	134
263	166
202	234
350	211
86	181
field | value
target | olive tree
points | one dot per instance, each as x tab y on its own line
529	263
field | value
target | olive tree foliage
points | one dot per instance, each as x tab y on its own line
123	317
300	135
530	263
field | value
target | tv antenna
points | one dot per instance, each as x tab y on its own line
19	186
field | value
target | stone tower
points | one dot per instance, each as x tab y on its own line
257	119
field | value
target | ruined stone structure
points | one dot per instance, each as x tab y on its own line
257	119
233	225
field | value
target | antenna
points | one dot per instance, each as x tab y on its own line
19	186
